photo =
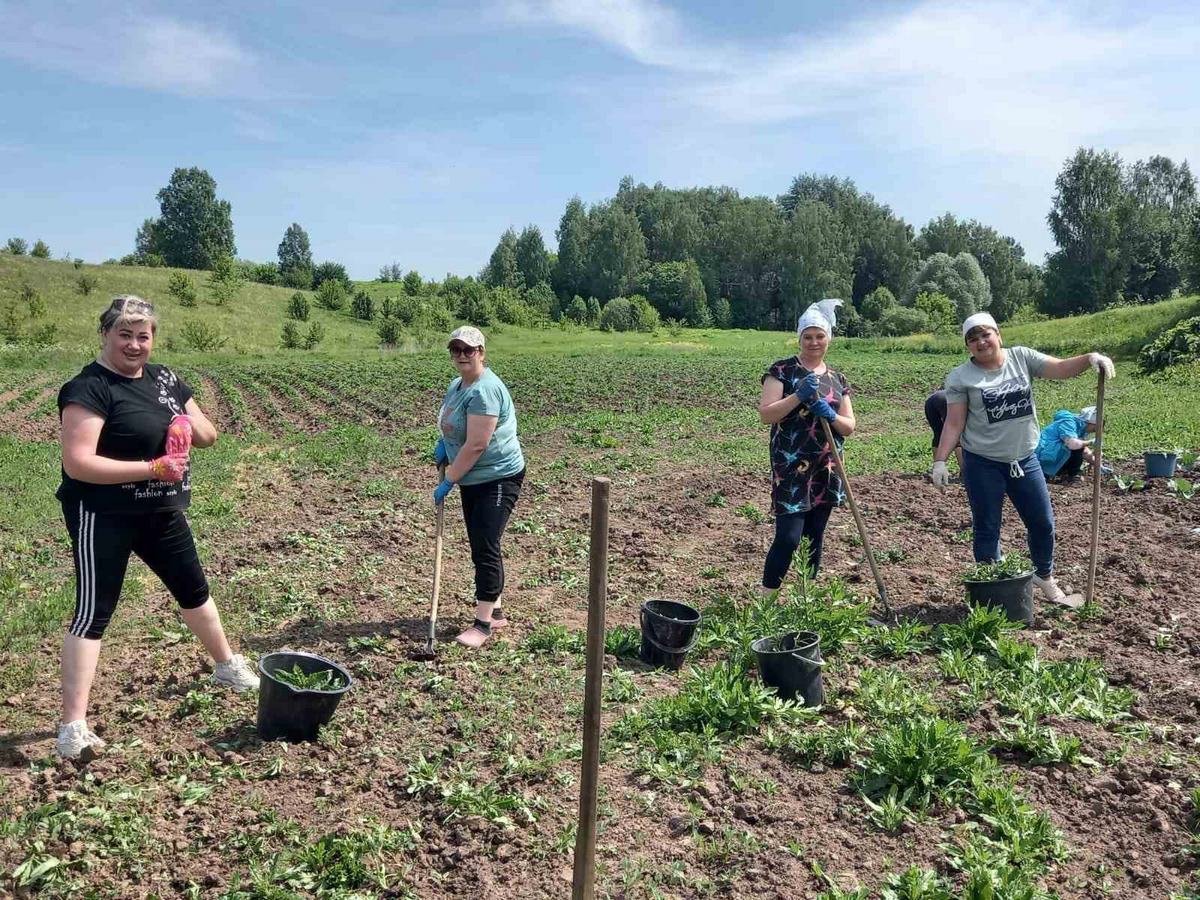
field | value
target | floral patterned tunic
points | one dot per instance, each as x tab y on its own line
803	473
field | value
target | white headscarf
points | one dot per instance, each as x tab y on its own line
980	318
822	314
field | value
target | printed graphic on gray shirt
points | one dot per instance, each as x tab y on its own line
1011	400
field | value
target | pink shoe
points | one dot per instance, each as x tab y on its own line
501	622
474	637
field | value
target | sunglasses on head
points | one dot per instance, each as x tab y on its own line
134	306
463	350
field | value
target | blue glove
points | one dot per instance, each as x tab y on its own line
806	388
440	492
440	456
822	409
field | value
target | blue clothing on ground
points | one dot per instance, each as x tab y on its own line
486	397
1051	451
987	481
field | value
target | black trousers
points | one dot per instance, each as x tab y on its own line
1070	469
789	531
486	508
101	544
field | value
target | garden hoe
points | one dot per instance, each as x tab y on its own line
429	651
1097	475
862	528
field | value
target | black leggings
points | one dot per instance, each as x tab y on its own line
101	544
789	531
486	508
1070	469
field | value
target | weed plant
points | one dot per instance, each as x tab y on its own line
324	680
1011	565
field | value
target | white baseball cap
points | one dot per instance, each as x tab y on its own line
467	334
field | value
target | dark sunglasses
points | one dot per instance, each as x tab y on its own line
463	350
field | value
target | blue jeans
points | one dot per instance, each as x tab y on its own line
987	481
790	530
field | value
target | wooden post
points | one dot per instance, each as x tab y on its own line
1097	476
583	884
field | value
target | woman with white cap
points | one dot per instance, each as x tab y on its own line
1063	446
990	410
797	393
483	457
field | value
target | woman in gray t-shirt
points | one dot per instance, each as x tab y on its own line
990	411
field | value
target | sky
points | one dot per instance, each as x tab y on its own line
416	133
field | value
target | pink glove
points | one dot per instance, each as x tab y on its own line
168	467
179	436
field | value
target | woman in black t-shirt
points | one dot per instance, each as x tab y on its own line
127	430
797	393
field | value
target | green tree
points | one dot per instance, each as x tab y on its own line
17	246
225	281
876	303
677	291
617	315
644	316
298	307
577	311
502	270
331	294
195	229
290	338
901	320
295	258
815	261
1160	199
958	277
542	301
593	312
1000	257
413	283
145	242
180	286
40	250
362	306
475	304
532	260
570	275
617	250
939	310
331	271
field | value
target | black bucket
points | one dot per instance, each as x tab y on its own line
1160	464
792	664
292	714
1013	595
668	632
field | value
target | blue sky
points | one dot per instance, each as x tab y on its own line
416	133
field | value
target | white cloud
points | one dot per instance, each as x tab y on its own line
124	46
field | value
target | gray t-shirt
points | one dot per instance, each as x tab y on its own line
1001	419
486	397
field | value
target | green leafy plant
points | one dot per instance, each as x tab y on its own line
1182	488
1011	565
1128	483
298	307
201	336
323	680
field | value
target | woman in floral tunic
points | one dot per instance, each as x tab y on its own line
797	394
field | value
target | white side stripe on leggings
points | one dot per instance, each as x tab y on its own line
85	607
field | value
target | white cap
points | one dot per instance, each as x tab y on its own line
1088	414
979	319
468	334
822	314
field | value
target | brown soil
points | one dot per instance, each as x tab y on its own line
1126	825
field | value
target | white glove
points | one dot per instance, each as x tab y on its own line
1102	363
1073	443
940	475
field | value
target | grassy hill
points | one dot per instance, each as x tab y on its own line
253	322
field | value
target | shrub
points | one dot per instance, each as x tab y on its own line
391	272
298	277
510	308
316	334
290	339
298	307
331	271
181	288
10	324
32	299
475	304
851	324
940	310
202	337
958	277
722	313
40	250
362	306
875	304
17	246
577	312
44	335
902	320
1178	344
260	273
413	283
593	314
331	294
225	280
389	332
617	315
645	316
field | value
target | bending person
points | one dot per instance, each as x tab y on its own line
482	455
797	393
127	430
935	415
991	411
1063	446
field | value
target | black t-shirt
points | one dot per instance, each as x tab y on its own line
136	414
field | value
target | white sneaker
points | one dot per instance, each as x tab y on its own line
1051	592
236	673
73	739
94	740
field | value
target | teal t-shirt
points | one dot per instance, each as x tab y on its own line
486	397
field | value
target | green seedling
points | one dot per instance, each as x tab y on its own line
324	680
916	884
1182	488
1011	565
751	512
1126	483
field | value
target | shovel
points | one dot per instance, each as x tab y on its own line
429	651
1097	475
862	528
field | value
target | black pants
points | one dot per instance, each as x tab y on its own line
789	531
486	508
101	544
1070	469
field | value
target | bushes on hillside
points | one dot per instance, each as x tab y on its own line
86	283
298	307
1178	344
201	336
181	288
225	281
331	294
362	306
902	320
875	304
